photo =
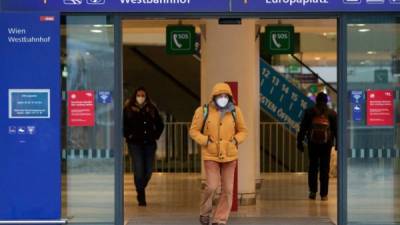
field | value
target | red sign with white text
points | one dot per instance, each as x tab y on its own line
81	111
380	108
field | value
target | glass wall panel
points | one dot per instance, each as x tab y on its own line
372	135
88	123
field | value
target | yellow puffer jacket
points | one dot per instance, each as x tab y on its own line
220	134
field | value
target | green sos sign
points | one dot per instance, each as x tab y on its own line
181	40
279	39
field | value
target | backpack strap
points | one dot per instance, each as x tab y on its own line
205	117
234	115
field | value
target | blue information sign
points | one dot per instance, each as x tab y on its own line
28	103
280	98
118	5
104	97
30	176
357	105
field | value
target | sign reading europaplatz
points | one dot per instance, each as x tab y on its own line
28	103
316	6
280	39
181	40
203	6
117	5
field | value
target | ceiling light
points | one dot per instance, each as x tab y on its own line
317	58
371	52
360	25
364	30
96	31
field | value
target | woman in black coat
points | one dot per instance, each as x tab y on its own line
142	128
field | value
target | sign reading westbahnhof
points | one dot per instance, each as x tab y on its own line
203	6
30	184
118	5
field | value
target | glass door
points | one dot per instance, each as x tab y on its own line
372	120
89	124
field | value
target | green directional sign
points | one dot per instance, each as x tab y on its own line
279	39
180	40
313	88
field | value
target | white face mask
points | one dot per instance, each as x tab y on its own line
222	101
140	100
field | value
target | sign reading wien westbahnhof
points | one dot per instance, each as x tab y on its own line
30	111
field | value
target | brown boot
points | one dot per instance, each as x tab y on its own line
204	220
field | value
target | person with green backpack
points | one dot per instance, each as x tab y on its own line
219	128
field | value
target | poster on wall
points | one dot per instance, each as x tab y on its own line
81	109
380	108
28	103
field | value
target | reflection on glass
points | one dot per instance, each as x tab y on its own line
88	163
372	129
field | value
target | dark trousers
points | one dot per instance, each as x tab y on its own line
319	158
143	159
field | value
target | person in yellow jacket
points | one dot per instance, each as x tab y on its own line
219	128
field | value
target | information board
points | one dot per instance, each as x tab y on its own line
30	166
81	108
280	98
380	111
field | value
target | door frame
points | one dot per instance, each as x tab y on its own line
341	69
341	43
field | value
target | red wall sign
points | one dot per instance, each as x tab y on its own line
380	108
235	92
81	108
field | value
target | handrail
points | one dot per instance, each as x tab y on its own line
164	72
314	73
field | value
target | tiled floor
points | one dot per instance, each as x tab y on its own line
282	200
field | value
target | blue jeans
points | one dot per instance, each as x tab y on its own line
143	159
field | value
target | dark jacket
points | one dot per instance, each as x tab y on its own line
142	125
306	125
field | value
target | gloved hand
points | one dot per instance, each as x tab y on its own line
300	146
